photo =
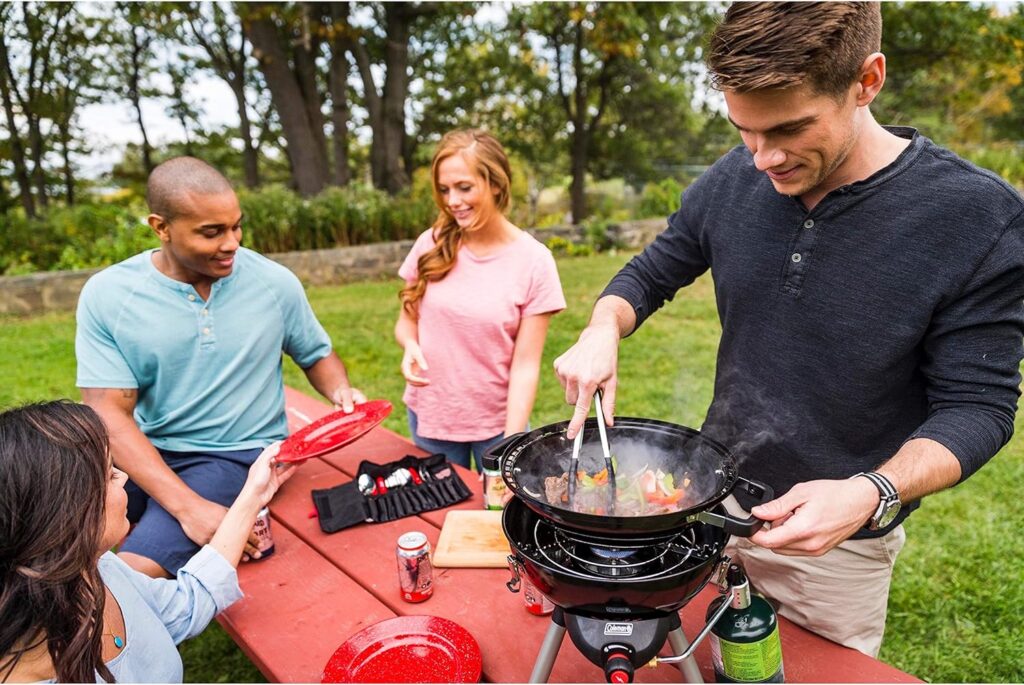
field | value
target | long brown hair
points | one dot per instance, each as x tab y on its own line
485	155
53	479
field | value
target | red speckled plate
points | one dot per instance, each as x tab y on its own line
407	649
335	430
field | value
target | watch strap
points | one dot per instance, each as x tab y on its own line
885	487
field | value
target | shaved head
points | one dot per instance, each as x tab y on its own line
171	182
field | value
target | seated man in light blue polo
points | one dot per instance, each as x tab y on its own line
179	351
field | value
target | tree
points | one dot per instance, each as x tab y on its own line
599	59
431	24
28	85
74	84
217	31
135	30
8	84
953	68
336	20
283	45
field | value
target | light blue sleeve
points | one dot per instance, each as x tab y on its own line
204	587
100	362
305	340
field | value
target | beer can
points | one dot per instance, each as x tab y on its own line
536	601
262	530
415	572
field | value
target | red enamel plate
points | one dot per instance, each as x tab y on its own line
407	649
330	432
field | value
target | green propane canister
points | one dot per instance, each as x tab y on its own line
745	645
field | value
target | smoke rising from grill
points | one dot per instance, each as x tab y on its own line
745	419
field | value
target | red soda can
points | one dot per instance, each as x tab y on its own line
262	530
415	572
536	601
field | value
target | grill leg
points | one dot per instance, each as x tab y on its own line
691	672
548	650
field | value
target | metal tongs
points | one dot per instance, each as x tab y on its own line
577	443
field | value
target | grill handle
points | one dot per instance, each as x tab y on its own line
734	525
516	568
491	459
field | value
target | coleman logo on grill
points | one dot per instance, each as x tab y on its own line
618	629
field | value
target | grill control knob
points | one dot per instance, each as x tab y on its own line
618	668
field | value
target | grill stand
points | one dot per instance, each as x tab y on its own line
667	627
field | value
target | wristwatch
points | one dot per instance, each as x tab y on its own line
888	503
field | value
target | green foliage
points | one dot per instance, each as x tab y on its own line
660	199
955	69
279	220
78	237
563	247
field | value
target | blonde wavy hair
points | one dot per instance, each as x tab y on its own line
486	157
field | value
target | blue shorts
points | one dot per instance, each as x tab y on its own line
216	476
457	452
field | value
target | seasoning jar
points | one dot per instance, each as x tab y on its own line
494	486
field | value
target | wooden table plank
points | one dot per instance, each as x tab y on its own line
298	608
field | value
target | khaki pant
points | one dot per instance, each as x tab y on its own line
841	595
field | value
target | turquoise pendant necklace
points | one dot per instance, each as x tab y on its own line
118	640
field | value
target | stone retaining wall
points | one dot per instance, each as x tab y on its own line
58	290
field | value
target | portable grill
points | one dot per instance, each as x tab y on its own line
617	596
618	581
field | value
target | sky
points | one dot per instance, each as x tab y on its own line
110	126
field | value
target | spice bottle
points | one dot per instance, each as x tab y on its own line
494	485
745	646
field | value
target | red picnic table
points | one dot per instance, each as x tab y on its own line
317	590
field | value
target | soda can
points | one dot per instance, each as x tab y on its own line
415	572
536	601
262	530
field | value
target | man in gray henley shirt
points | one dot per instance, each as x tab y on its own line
869	284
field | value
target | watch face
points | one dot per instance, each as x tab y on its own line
888	514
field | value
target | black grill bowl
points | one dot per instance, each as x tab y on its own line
601	597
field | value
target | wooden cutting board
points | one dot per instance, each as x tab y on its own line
471	539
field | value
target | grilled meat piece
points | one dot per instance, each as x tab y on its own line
556	489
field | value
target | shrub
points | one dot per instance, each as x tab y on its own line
278	220
78	237
659	199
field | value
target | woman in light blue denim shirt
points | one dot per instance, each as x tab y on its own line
70	610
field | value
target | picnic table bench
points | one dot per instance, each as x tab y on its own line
317	590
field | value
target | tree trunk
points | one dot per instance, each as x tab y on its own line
35	140
577	190
396	88
17	149
307	158
375	111
136	99
249	156
182	118
64	130
304	53
69	178
338	84
229	64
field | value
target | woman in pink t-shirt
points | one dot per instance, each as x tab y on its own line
475	309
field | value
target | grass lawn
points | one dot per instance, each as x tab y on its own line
957	597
